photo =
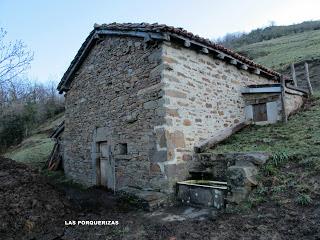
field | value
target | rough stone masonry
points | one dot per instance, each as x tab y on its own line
138	100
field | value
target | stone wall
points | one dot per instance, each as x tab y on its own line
158	98
117	90
202	96
294	100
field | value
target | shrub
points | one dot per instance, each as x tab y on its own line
304	199
11	131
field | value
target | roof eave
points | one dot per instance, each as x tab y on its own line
97	33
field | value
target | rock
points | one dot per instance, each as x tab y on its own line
238	194
3	174
256	158
133	117
242	176
150	105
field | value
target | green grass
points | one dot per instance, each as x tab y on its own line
50	124
33	151
36	149
280	52
304	199
289	175
300	137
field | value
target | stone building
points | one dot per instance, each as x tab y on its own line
140	97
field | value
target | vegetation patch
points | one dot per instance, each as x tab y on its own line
292	174
278	46
299	138
280	52
33	151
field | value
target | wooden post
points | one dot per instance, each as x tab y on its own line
308	78
283	100
293	73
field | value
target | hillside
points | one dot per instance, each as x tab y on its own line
279	46
280	52
238	39
292	176
34	150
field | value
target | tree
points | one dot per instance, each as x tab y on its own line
15	58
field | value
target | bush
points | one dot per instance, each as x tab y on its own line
11	131
304	199
20	120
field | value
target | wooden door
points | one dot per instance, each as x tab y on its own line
107	167
260	112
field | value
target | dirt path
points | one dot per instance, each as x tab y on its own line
31	208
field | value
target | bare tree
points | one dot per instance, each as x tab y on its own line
15	58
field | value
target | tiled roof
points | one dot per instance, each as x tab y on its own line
155	27
162	28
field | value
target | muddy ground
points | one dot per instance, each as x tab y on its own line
33	208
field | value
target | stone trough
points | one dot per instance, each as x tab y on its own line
204	193
229	178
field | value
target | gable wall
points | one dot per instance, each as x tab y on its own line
115	93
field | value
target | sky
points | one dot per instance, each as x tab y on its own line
54	30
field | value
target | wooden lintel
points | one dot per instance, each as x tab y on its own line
187	43
233	62
205	50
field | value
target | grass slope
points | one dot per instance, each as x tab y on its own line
301	135
292	176
278	53
32	151
36	149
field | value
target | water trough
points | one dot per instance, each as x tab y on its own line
204	193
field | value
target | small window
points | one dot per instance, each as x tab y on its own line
123	148
260	112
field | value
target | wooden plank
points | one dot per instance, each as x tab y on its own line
283	100
308	78
218	137
260	112
293	73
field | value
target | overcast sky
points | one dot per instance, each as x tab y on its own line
55	29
